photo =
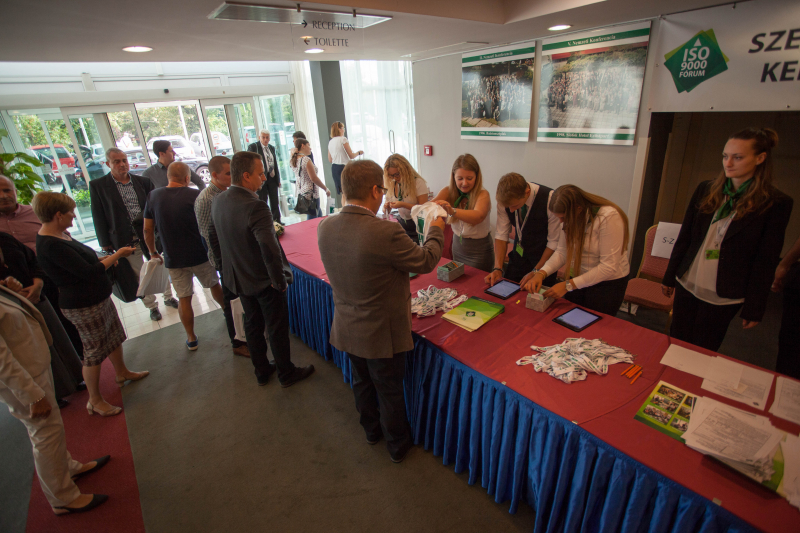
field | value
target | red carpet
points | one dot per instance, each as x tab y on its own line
90	437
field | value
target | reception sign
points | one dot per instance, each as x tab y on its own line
741	57
497	92
592	85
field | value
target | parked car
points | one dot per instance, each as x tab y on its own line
95	164
45	155
222	143
183	148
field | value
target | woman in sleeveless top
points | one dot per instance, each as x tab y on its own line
468	204
339	153
305	171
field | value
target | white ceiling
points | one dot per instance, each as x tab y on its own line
179	30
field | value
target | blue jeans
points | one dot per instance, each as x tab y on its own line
336	170
314	212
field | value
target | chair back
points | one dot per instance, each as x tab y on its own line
653	267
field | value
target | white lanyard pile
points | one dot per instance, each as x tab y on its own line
430	300
571	360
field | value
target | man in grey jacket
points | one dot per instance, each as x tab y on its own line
367	261
246	249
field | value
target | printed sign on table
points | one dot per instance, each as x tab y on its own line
497	92
592	85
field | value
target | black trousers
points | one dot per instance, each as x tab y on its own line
268	309
605	297
269	193
789	337
698	322
227	296
336	170
378	389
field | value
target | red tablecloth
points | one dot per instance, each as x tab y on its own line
603	405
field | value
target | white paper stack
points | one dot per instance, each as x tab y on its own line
719	369
753	388
743	441
791	469
787	399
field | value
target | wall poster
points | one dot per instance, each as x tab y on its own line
497	93
591	85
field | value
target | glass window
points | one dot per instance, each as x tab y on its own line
278	116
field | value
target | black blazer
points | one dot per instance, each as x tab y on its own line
111	222
256	147
242	238
748	255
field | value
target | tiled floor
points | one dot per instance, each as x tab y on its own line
136	317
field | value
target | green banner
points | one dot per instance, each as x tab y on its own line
600	39
500	55
583	135
494	133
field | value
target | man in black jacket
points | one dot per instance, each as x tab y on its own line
118	201
269	192
242	238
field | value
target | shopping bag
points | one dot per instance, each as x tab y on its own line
238	319
153	278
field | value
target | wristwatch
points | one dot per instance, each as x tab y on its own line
570	286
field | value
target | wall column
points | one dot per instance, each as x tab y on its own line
326	81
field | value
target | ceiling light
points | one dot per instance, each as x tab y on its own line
307	37
560	27
314	51
137	49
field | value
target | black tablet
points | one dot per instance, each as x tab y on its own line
503	289
577	319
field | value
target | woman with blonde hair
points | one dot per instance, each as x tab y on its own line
339	153
84	294
729	244
307	181
405	188
468	204
593	246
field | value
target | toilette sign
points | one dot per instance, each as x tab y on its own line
741	57
329	36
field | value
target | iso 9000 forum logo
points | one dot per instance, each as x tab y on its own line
695	61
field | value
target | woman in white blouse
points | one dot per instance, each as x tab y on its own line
305	171
405	188
339	153
593	245
468	204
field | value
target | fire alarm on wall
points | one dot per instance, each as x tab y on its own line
428	149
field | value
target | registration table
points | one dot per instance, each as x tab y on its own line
573	452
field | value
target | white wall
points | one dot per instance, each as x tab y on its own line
613	172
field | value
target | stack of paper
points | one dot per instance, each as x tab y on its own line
743	441
787	400
723	371
473	313
753	388
790	488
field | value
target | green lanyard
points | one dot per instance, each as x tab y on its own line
461	197
398	187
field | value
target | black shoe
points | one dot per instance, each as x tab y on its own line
172	302
373	440
399	456
97	500
300	373
62	403
155	314
101	462
81	386
262	380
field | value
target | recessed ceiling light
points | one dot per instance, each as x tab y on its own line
307	37
560	27
314	51
137	49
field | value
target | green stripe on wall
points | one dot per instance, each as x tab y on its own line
600	39
500	55
581	135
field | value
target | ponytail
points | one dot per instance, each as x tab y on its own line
298	144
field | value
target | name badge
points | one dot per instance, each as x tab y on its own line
518	249
712	254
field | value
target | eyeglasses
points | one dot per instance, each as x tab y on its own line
384	190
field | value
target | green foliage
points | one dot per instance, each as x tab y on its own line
19	167
82	198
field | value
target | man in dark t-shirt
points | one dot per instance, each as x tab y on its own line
170	210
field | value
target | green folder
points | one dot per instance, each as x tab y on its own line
473	313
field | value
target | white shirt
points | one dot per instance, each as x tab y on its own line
602	258
337	151
701	278
407	196
503	226
470	231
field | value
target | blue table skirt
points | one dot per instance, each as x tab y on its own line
517	450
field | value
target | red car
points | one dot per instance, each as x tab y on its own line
44	154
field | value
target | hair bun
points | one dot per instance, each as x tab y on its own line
771	135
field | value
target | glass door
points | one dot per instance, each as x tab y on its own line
277	116
231	125
176	122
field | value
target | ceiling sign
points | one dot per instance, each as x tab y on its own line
328	34
293	15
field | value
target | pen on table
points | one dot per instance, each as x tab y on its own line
633	371
626	370
636	377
